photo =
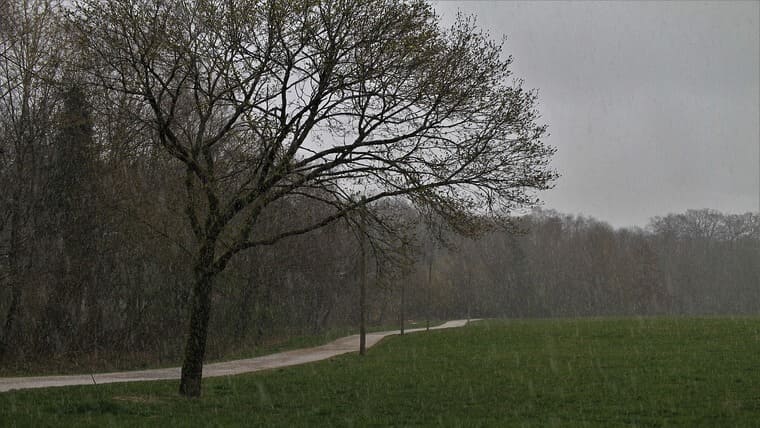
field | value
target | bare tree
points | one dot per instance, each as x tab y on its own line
264	100
30	57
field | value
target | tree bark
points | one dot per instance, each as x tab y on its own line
13	311
429	291
195	349
362	283
11	316
402	307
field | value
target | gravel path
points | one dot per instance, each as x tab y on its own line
290	358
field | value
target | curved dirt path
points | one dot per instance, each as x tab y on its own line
227	368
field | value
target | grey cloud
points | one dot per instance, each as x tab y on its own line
654	107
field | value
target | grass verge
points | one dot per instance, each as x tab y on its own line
106	362
631	372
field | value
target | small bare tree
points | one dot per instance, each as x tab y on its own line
264	100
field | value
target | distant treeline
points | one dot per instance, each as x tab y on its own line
700	262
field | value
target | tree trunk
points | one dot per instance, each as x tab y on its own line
402	307
429	292
195	349
362	314
11	316
244	313
13	311
468	291
362	285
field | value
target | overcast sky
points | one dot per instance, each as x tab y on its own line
654	107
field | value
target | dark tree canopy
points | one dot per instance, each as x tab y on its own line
263	100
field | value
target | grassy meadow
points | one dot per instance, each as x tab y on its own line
590	372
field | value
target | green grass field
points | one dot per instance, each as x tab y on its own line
649	372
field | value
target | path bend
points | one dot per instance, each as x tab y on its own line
340	346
